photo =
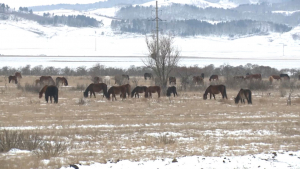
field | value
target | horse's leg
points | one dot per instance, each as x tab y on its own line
94	94
214	96
51	99
210	96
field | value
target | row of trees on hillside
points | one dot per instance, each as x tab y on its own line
195	27
190	12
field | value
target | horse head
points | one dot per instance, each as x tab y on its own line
86	94
204	96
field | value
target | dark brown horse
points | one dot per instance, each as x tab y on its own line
285	76
214	77
274	77
18	75
215	89
97	79
170	90
47	80
12	78
152	89
114	90
172	80
198	80
242	95
92	88
125	76
148	75
61	80
253	76
51	91
137	90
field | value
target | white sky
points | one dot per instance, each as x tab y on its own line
25	3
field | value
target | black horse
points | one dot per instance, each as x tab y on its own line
171	90
285	76
149	75
137	90
242	95
51	91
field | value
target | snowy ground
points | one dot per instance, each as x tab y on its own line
280	160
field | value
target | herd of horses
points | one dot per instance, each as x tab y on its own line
50	87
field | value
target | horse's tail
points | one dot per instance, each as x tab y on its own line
132	93
250	97
56	95
66	82
109	91
104	90
225	94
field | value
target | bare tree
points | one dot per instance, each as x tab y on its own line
162	58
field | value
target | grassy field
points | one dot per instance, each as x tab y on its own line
98	130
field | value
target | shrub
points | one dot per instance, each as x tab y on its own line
51	149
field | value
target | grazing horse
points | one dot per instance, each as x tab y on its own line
198	80
116	90
285	76
238	78
170	90
149	75
97	79
152	89
172	80
215	89
274	77
92	88
47	80
242	95
253	76
61	80
18	75
214	77
12	78
137	90
51	91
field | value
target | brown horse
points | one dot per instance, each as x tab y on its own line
215	89
214	77
47	80
92	88
61	80
172	80
137	90
242	95
116	90
97	79
198	80
18	75
274	77
12	78
253	76
43	90
152	89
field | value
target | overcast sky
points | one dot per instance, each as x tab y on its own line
25	3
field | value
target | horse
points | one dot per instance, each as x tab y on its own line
95	87
97	79
242	95
239	78
137	90
253	76
215	89
170	90
12	78
274	77
172	80
152	89
47	80
198	80
285	76
116	90
18	75
51	91
149	75
61	80
125	76
214	77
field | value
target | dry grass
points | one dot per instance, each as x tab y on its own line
95	129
